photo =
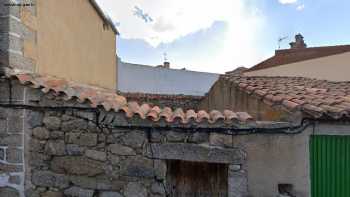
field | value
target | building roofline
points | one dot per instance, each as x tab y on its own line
111	102
104	16
171	69
316	99
289	56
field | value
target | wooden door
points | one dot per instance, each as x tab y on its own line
194	179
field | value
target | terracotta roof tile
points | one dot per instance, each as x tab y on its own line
318	98
216	116
201	115
154	113
229	115
110	101
244	116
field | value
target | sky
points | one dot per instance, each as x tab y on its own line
221	35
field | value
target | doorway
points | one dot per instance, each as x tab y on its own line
197	179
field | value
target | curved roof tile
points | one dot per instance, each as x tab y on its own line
318	98
111	101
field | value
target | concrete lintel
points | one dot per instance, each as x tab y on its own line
195	153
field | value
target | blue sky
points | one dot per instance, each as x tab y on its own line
220	35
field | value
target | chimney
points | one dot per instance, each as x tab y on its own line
299	42
166	64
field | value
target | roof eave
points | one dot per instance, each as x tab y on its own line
104	17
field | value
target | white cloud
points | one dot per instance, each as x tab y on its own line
173	19
287	1
300	7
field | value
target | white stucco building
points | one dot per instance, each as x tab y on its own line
138	78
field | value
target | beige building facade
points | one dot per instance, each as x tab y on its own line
333	68
74	40
325	62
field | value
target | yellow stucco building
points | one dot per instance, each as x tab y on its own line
74	40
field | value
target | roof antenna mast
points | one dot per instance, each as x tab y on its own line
165	57
280	39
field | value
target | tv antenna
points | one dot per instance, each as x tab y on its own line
165	56
280	39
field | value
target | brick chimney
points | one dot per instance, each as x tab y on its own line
299	42
166	64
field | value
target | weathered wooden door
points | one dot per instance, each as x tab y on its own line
194	179
330	166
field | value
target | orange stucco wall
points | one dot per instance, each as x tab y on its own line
73	43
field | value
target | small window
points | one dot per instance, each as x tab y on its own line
195	179
105	26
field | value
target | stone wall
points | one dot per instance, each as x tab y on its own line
174	101
17	34
74	157
12	127
51	147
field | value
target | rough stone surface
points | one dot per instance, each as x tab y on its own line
75	124
84	182
135	190
49	179
35	119
218	139
110	194
198	153
160	169
52	194
56	135
173	136
73	149
121	150
41	133
114	159
199	137
70	156
235	167
39	160
77	166
36	145
137	167
158	188
55	147
134	139
78	192
82	139
157	137
96	155
52	123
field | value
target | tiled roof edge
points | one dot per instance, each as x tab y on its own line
111	102
292	104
